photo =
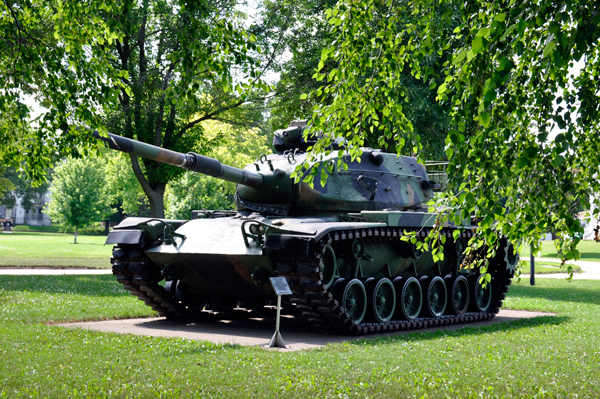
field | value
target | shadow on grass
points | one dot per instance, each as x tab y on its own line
466	330
89	285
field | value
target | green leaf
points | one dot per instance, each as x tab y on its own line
505	64
549	48
335	21
303	96
483	32
442	89
476	45
554	27
559	160
459	57
484	118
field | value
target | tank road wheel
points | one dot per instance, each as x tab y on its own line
435	296
482	297
188	297
352	296
381	299
328	266
509	255
458	294
410	297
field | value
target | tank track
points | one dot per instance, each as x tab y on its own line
316	303
134	271
311	298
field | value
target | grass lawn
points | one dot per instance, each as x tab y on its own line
55	228
550	356
549	268
589	250
34	248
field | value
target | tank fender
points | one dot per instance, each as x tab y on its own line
304	246
134	237
138	231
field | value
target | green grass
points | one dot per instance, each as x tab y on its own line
549	268
27	249
551	356
589	250
97	229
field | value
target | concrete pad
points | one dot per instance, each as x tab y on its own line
258	332
49	271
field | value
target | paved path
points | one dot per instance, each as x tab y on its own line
258	332
41	271
591	270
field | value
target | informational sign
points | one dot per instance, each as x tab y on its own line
280	285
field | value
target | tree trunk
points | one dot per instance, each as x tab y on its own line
156	199
75	240
155	191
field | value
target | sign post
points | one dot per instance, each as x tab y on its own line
281	287
531	267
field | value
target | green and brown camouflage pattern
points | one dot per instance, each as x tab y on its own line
227	255
375	181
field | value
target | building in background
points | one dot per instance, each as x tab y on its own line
589	227
34	216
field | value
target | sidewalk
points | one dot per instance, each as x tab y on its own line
591	270
40	271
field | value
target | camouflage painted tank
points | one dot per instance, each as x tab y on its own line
338	245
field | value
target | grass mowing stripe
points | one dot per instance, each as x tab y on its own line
51	249
55	299
542	267
546	357
590	251
91	263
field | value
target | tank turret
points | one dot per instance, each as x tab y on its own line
375	181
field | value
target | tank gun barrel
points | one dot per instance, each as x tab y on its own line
190	161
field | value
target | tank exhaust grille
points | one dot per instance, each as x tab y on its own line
436	170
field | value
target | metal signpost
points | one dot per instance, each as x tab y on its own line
531	267
281	287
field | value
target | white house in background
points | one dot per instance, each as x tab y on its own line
589	227
34	216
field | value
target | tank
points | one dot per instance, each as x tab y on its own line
338	245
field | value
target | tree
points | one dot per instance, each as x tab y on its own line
524	130
236	147
124	190
149	69
6	186
306	33
79	195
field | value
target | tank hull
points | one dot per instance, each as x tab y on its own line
224	265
